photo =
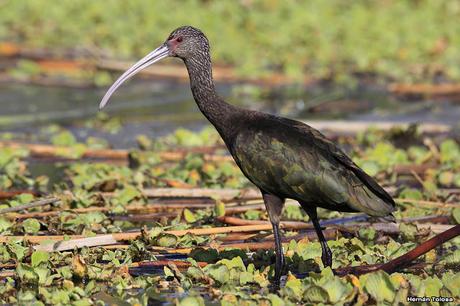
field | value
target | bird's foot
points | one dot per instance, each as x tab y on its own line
326	257
275	286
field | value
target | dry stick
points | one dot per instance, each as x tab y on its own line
80	241
132	209
425	89
409	169
386	227
7	266
29	205
425	247
223	194
349	127
292	225
160	263
404	260
43	150
57	212
418	178
100	240
444	219
328	234
5	274
134	235
427	203
391	228
12	193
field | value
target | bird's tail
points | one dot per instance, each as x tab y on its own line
389	218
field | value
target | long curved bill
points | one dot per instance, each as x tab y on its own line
153	57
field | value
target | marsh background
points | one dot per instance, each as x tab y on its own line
380	78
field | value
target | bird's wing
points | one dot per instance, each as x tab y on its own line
322	142
291	159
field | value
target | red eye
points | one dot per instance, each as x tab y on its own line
179	39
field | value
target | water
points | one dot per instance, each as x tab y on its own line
157	107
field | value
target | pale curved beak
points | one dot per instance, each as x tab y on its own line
151	58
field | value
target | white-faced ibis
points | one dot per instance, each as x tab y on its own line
284	158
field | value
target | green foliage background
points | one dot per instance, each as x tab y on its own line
406	40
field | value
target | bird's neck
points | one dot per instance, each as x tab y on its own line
215	109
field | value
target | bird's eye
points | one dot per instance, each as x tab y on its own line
179	39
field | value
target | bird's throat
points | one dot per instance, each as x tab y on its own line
215	109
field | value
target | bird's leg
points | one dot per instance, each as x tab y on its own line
326	255
274	207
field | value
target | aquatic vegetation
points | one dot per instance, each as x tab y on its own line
153	259
316	38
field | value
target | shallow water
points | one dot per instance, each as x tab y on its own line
157	107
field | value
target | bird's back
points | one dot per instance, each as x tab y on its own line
292	160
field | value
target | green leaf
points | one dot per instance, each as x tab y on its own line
452	258
26	273
452	282
218	272
446	178
379	286
316	294
370	167
64	138
337	290
294	285
408	231
166	240
275	300
432	286
246	277
205	255
192	301
23	198
5	224
168	272
411	193
195	273
38	257
60	297
449	151
235	262
189	216
127	194
43	275
17	250
456	214
188	138
457	180
144	142
31	226
219	209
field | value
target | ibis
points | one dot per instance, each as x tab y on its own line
284	158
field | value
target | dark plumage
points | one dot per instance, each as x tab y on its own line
284	158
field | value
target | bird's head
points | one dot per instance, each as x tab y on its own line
185	42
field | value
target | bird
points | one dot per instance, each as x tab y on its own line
284	158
